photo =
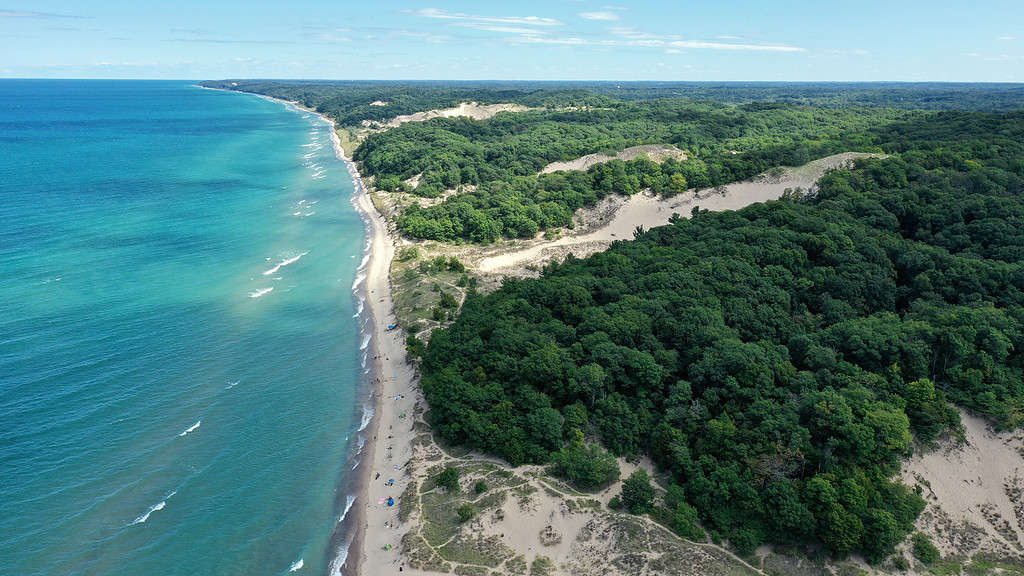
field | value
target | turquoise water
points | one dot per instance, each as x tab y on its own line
179	358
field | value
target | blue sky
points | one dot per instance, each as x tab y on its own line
938	40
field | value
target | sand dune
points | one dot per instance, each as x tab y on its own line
649	211
656	152
973	492
468	109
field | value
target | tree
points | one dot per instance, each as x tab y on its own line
637	493
585	466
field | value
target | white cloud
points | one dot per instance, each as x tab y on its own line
1006	38
501	29
726	37
730	46
599	16
514	20
673	51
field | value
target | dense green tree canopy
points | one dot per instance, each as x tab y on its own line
774	360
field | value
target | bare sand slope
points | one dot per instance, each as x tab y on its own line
468	109
973	492
656	152
650	211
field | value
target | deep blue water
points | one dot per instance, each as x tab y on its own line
142	226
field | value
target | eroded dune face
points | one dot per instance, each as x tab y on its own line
468	109
648	211
656	152
974	491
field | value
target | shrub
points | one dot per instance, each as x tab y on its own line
924	550
449	479
480	487
465	512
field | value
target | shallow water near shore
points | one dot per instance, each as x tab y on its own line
180	364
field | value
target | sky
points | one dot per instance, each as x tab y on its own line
702	40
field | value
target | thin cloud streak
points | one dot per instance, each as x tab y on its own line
599	16
658	43
513	20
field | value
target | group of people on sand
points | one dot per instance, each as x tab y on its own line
389	500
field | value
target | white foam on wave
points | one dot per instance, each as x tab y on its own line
158	506
339	559
359	280
191	428
260	292
349	501
364	261
232	385
367	416
284	263
365	342
296	566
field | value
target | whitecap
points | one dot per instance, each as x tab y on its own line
158	506
365	342
285	262
260	292
191	428
296	566
232	385
366	258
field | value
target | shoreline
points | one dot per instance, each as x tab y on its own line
390	376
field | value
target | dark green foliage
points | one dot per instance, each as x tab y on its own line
773	360
615	503
449	479
465	512
480	487
679	515
414	346
448	301
585	466
637	493
924	550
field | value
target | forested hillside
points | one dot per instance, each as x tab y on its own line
775	361
502	156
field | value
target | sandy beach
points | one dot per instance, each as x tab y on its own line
374	545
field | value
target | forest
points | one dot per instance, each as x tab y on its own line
500	159
776	362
